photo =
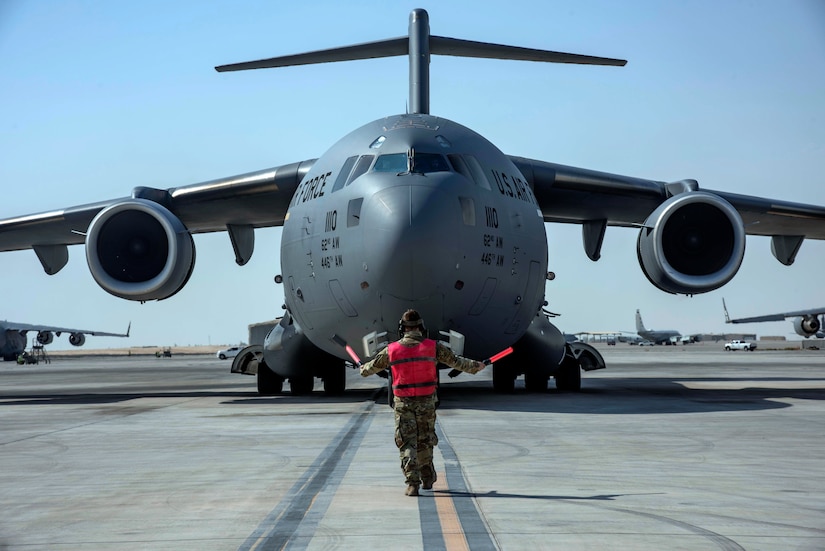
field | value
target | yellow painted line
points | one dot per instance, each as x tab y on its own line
454	539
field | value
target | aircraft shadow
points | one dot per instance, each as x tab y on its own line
232	397
632	396
598	396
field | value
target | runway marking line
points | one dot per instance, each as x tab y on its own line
451	529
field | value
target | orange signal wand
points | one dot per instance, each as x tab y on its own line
340	340
506	352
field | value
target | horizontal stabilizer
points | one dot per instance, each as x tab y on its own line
439	45
367	50
469	48
419	45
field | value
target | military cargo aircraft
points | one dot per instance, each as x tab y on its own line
13	336
415	211
657	336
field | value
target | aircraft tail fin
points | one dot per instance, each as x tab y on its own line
419	45
640	327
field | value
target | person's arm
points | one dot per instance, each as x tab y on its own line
446	356
380	362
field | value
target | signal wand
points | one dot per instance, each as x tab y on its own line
340	340
506	352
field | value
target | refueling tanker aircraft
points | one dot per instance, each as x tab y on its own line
807	323
415	211
13	336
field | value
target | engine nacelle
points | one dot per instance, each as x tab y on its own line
693	243
77	339
45	337
138	250
807	326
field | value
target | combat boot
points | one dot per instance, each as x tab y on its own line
412	490
428	478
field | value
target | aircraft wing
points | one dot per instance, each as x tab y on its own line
256	199
780	317
576	195
13	326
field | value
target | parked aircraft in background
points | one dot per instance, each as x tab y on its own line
414	211
662	336
807	323
13	336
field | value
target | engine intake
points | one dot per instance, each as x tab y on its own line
693	243
77	339
45	337
807	326
138	250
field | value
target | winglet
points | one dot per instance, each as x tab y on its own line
724	307
128	328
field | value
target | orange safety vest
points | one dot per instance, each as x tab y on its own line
414	371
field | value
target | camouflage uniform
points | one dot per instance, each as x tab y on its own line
415	415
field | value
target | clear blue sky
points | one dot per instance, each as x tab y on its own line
99	97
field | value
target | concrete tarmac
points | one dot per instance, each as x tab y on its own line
684	447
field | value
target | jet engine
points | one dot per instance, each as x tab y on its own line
77	339
138	250
693	243
807	326
45	337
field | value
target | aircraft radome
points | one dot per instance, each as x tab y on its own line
415	211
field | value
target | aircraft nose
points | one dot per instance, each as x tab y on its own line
412	237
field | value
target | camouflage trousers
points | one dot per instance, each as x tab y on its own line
415	437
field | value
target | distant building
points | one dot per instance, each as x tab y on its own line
259	331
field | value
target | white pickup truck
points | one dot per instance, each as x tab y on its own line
740	345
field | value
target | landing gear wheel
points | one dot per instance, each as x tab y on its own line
503	379
569	376
335	381
269	382
301	386
535	382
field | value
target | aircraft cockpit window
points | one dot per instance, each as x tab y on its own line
469	167
422	163
396	162
430	162
361	167
379	141
344	174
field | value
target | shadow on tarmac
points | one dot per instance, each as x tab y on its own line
634	396
598	396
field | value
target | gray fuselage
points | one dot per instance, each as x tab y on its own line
414	211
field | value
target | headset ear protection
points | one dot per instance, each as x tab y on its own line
403	326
